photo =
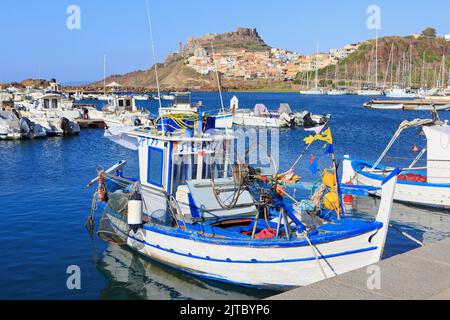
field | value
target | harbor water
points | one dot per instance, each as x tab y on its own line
44	204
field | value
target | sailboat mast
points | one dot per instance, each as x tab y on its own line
376	59
410	65
317	66
104	74
422	75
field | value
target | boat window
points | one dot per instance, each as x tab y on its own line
184	169
54	104
46	104
155	167
128	105
186	166
121	104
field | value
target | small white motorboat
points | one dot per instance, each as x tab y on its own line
370	92
9	126
54	113
123	111
338	92
398	92
312	92
15	127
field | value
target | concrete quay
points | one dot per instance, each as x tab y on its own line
420	274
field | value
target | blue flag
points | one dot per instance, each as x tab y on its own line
330	149
314	167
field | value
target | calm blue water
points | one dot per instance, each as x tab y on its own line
44	204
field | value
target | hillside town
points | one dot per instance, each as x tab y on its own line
271	64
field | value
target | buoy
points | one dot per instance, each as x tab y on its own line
331	201
101	189
135	212
329	180
348	199
415	149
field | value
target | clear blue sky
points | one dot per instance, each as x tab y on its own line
33	32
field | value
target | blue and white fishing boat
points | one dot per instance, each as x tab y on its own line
193	209
182	105
424	185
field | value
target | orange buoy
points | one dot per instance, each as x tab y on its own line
101	189
348	199
415	149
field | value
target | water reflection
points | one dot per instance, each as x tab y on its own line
424	224
134	277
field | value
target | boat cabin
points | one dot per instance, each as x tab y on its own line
181	104
183	168
50	101
123	103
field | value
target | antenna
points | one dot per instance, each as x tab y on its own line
218	80
154	61
104	74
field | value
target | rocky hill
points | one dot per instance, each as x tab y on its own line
175	75
243	38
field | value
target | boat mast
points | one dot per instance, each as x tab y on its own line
376	58
317	66
150	27
389	66
410	65
422	75
104	74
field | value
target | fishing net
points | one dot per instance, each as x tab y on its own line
114	218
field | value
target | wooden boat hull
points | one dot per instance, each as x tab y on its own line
272	266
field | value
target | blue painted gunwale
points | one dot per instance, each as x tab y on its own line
317	238
252	261
359	165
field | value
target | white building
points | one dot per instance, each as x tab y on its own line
447	37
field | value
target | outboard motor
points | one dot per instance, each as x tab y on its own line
69	128
27	127
137	122
16	113
65	126
308	122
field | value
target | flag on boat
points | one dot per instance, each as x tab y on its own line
314	167
325	136
316	130
330	149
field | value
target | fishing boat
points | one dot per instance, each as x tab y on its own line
424	185
194	209
182	105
